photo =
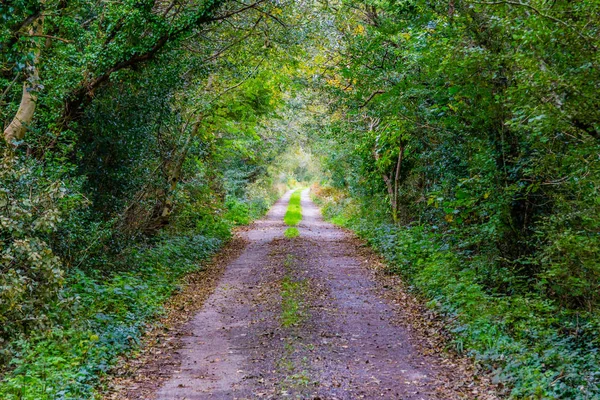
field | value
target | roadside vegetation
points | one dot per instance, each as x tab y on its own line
459	138
466	152
527	342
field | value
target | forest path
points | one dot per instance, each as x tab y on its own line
301	318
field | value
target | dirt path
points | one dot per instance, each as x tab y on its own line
301	318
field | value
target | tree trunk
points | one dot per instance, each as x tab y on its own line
390	188
396	200
392	183
175	175
16	129
166	198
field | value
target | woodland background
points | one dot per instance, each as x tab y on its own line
460	138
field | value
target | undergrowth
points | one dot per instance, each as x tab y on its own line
108	316
241	212
105	303
531	346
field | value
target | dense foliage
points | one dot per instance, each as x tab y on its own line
155	131
461	138
468	142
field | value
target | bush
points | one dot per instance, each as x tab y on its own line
31	275
238	212
108	317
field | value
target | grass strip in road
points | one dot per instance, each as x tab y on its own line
291	302
292	296
293	214
291	233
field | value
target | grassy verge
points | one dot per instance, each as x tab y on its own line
531	346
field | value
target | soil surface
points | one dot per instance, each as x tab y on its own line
304	318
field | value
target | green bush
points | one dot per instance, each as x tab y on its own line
108	317
31	275
238	212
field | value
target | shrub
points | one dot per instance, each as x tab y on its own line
238	211
31	275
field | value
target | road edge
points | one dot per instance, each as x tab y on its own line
138	375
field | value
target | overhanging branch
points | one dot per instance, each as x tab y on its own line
368	100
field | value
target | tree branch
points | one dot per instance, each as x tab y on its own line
85	90
541	14
47	37
375	93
